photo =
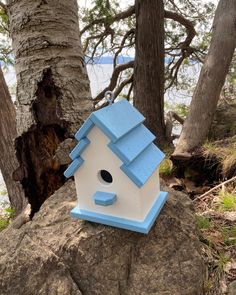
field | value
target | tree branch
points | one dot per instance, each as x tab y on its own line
186	49
115	75
123	84
119	16
3	6
170	117
184	22
127	34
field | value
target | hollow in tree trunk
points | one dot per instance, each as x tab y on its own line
53	95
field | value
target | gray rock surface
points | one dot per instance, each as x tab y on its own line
232	288
56	255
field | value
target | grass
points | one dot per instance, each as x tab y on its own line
6	217
224	151
218	237
3	223
166	167
220	263
203	222
227	201
229	235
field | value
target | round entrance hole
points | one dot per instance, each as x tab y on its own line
105	177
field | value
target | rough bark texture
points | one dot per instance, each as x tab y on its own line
54	254
149	65
53	94
211	80
8	160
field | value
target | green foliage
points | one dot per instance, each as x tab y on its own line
180	109
6	217
3	223
5	46
227	201
3	192
166	167
203	222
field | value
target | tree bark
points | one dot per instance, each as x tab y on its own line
211	80
149	65
8	160
53	95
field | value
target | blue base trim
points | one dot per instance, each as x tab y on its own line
142	227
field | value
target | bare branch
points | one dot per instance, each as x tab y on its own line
115	75
186	23
130	90
119	16
122	85
214	188
186	49
170	117
127	34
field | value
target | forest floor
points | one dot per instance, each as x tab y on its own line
216	220
210	181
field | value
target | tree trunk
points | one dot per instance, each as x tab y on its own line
8	160
149	65
211	80
53	95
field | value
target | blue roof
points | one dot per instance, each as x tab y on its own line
130	140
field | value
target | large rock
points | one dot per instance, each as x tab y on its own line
56	255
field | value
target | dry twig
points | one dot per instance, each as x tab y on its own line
214	188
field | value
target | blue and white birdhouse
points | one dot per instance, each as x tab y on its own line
115	166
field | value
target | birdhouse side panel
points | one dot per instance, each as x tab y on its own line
150	192
101	172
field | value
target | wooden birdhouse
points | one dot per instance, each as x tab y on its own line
115	166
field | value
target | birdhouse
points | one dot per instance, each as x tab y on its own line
115	166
